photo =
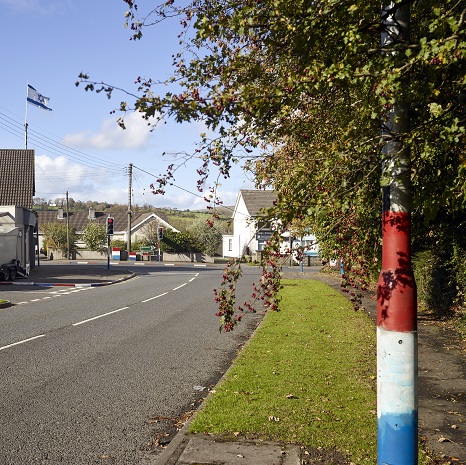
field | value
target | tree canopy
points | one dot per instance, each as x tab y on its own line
298	91
95	237
57	234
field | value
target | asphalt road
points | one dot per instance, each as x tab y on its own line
91	375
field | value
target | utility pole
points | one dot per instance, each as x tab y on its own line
397	359
130	180
67	229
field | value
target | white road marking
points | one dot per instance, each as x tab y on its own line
176	288
100	316
22	342
152	298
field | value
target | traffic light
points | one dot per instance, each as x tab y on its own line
160	232
110	222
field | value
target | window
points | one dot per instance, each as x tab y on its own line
230	245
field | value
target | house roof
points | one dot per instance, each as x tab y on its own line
79	220
17	185
145	217
257	200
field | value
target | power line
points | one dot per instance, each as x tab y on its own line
15	127
215	202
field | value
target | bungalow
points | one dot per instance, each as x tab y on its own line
79	220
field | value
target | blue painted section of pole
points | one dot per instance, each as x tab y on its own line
397	410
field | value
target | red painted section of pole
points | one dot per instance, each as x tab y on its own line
396	289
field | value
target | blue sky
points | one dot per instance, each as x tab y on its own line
78	146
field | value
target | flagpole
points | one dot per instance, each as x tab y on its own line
26	120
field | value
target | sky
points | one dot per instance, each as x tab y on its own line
79	148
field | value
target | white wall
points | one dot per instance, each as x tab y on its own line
16	235
244	231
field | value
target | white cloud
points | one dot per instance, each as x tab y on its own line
55	176
111	137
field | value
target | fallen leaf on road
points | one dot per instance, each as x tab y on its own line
442	439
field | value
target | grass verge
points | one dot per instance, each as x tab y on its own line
308	376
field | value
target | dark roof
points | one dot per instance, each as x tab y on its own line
256	200
17	185
78	220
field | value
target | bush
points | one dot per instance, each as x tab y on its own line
436	281
136	245
178	242
122	245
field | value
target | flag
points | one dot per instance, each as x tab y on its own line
38	99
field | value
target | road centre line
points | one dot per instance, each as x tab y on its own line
22	342
179	287
165	293
89	319
152	298
100	316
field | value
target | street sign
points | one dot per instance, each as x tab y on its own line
263	235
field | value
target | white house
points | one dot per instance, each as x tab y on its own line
251	232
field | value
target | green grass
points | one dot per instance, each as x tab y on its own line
307	376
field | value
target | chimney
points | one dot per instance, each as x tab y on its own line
60	214
91	214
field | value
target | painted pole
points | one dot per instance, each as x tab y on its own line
397	398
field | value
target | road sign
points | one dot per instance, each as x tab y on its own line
263	235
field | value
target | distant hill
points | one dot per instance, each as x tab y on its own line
180	219
221	210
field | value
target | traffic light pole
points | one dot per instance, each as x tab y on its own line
108	252
397	398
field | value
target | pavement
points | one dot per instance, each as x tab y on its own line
73	274
442	412
203	449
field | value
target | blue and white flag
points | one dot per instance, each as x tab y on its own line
38	99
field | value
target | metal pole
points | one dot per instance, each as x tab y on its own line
26	120
397	359
108	252
130	176
67	229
